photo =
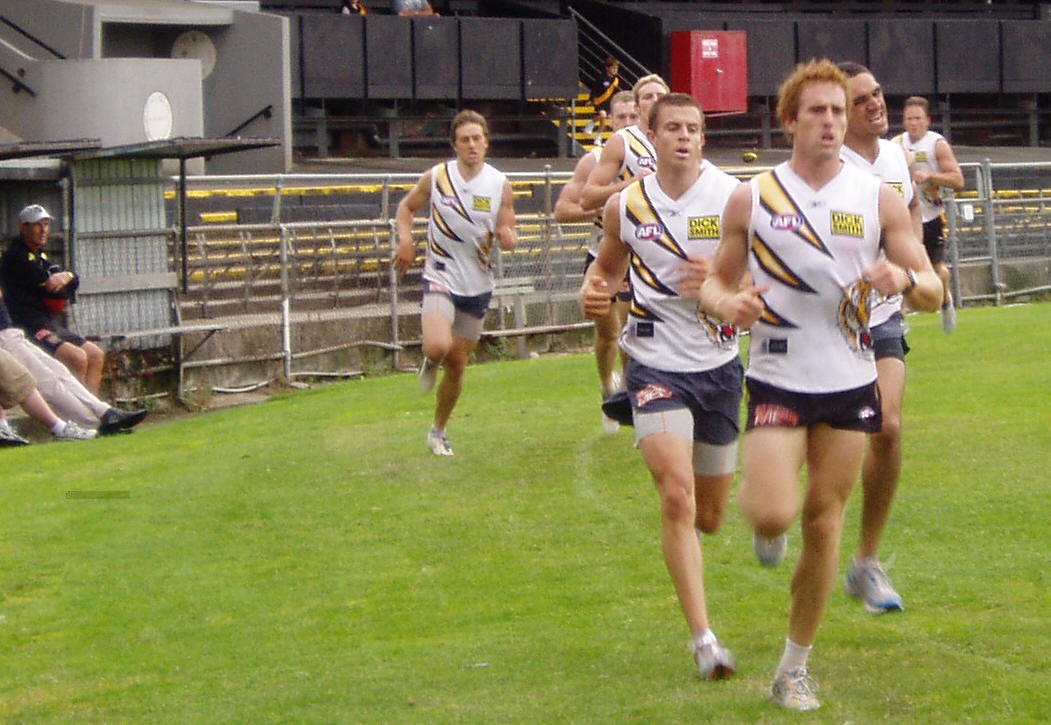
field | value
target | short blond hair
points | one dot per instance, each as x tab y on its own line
651	78
814	71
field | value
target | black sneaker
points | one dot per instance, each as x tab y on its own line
9	438
115	421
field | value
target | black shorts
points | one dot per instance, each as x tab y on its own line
934	239
712	396
623	295
52	338
888	338
475	305
772	407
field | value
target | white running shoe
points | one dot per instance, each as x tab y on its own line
949	316
427	375
73	432
794	690
714	662
438	442
867	581
8	437
770	552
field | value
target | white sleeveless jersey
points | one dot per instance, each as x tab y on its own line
666	331
892	168
931	199
460	233
596	230
809	247
639	154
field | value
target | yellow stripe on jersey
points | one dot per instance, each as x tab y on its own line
779	204
443	226
773	319
643	313
773	265
645	275
436	248
445	187
639	211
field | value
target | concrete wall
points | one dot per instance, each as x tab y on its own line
252	71
105	99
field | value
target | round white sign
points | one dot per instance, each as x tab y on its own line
157	117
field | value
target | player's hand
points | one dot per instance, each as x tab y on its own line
595	298
404	256
920	176
694	272
745	307
886	277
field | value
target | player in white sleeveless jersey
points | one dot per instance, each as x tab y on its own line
684	375
471	206
863	147
935	169
809	232
568	209
628	153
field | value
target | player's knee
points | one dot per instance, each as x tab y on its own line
435	350
709	517
823	523
889	434
93	353
677	501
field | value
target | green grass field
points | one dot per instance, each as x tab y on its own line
308	561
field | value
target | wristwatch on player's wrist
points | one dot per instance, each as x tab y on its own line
912	280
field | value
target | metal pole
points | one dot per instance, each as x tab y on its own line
953	218
990	231
393	281
183	246
286	323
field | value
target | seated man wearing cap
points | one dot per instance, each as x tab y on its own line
37	291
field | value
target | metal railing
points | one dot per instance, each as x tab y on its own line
280	276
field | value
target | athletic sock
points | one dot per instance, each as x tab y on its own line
794	657
58	428
705	636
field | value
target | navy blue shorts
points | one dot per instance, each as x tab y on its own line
475	306
772	407
712	396
888	338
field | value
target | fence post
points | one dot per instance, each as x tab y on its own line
953	218
990	231
286	322
393	281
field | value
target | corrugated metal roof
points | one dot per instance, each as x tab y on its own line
178	148
29	149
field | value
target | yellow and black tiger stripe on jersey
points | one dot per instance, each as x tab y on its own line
773	265
645	275
639	210
443	226
778	203
643	313
772	318
436	248
445	187
636	145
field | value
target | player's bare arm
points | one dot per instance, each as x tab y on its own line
950	176
568	208
906	270
603	278
602	181
506	235
723	295
405	252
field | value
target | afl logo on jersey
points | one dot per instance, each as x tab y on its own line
649	231
646	162
786	222
449	200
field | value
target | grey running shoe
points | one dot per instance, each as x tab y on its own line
867	581
9	438
948	316
439	443
794	690
74	432
770	552
714	662
428	375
